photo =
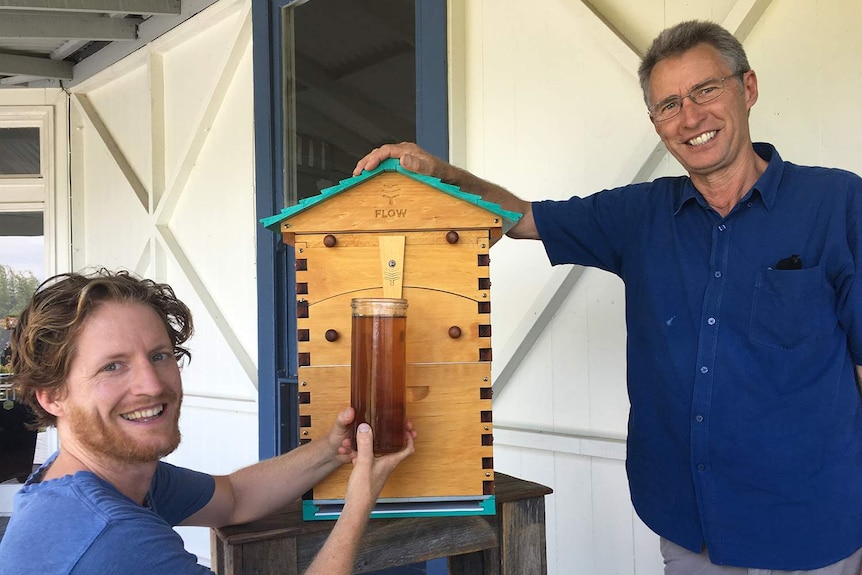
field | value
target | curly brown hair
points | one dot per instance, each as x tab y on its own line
44	341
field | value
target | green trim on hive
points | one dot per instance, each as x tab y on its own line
311	511
273	223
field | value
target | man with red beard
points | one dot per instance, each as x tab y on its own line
98	356
744	447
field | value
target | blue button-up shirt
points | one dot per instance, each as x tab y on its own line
745	429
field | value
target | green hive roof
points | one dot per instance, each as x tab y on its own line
391	165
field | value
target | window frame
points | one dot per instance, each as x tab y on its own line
31	193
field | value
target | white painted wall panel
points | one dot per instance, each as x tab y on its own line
572	403
571	531
214	370
606	354
806	57
215	221
123	103
531	403
640	21
193	61
109	226
612	519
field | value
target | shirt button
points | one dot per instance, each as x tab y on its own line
701	466
699	418
717	274
704	369
722	227
711	321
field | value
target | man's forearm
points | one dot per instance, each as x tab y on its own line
264	487
491	192
339	551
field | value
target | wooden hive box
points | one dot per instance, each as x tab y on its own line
440	237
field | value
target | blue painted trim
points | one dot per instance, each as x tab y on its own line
265	249
276	323
437	566
432	81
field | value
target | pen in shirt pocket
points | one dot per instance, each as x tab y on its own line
794	262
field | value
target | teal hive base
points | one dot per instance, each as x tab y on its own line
389	508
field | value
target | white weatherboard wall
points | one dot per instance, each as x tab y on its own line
545	101
163	184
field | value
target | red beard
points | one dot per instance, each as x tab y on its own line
93	433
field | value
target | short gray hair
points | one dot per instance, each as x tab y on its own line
684	36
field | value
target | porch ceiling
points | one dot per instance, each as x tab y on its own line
46	43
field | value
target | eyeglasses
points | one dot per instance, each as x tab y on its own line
701	94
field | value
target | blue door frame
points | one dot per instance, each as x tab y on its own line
277	361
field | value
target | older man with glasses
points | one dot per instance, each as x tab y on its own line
744	322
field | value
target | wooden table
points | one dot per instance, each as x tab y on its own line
510	543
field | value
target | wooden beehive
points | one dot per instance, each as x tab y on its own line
440	237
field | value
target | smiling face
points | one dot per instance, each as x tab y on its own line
123	392
714	136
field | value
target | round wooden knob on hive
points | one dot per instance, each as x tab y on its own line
452	237
329	240
454	332
331	335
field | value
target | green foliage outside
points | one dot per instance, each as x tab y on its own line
16	288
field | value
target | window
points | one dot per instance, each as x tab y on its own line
19	152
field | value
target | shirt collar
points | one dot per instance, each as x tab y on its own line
766	186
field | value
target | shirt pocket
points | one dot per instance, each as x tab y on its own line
790	307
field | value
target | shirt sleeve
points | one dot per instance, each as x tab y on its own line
178	493
139	547
594	230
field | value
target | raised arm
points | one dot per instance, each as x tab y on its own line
415	159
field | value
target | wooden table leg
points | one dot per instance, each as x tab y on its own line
485	562
271	556
522	537
258	557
